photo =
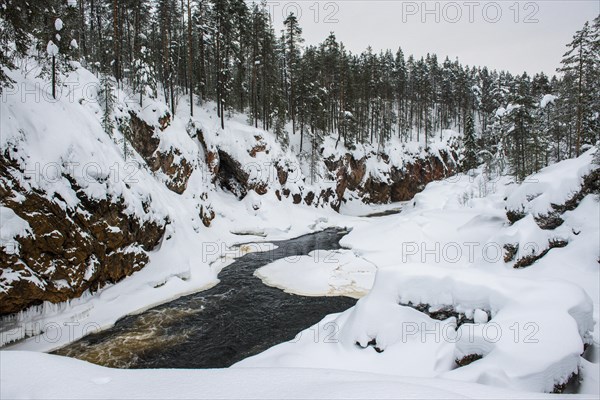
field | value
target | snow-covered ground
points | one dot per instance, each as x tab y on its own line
64	378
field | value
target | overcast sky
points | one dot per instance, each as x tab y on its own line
515	36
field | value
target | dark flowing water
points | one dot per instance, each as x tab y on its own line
216	328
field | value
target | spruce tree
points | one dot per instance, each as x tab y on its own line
579	64
470	145
293	40
107	100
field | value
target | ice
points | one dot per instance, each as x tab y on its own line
321	273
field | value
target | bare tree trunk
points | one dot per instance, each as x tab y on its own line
579	105
190	62
82	41
54	77
116	40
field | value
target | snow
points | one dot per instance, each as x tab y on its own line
445	248
53	139
547	99
480	316
553	185
52	49
559	314
12	226
321	273
63	378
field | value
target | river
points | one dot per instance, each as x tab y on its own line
216	328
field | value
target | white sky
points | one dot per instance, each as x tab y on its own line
527	35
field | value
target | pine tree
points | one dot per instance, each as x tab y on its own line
226	51
55	41
293	40
107	100
144	77
470	145
579	63
522	138
594	72
486	104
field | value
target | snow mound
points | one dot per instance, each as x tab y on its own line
532	342
320	273
552	185
64	378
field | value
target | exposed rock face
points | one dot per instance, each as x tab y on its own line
146	142
69	251
401	185
211	156
466	360
231	175
142	137
178	172
529	259
260	147
414	177
347	174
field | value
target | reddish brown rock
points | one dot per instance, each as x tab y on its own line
145	141
308	199
69	251
402	184
164	121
